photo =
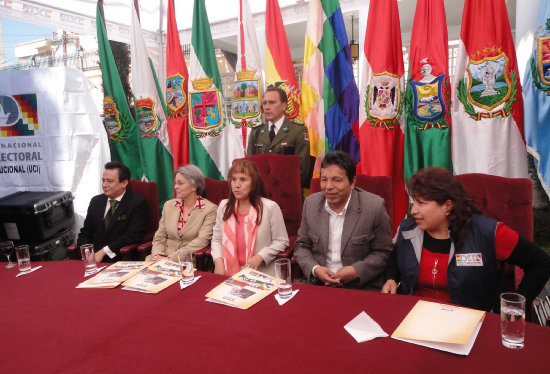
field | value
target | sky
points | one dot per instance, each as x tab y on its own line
15	32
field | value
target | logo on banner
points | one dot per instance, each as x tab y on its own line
427	106
490	88
146	118
18	115
383	100
205	108
245	104
175	96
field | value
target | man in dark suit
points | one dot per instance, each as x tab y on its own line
279	134
345	234
117	217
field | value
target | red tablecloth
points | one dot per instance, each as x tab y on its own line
49	326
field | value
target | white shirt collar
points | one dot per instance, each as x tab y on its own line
277	124
119	198
343	212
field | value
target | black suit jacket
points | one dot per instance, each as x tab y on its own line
127	226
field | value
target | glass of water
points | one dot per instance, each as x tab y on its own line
186	267
88	257
7	248
284	280
23	257
512	320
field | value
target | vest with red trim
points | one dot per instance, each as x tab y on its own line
472	284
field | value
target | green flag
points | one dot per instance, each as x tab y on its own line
121	128
212	145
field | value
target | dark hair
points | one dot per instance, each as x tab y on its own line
256	189
342	159
282	93
123	171
439	185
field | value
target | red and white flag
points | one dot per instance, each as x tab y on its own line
381	105
177	79
487	105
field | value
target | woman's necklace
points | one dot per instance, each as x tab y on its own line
434	272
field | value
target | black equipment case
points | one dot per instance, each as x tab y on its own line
33	217
54	249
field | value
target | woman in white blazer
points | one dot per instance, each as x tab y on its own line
249	230
187	221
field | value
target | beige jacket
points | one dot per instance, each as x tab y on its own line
271	237
196	233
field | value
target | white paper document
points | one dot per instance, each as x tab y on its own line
459	349
445	327
363	328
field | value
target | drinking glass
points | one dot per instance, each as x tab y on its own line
512	320
88	257
23	257
186	267
282	273
7	248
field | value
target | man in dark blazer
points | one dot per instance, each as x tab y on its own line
345	234
116	218
280	135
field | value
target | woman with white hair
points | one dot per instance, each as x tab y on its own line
187	221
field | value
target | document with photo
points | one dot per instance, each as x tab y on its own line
114	274
154	278
243	289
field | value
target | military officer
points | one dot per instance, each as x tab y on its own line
279	134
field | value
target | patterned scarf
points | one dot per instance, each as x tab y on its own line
229	240
199	204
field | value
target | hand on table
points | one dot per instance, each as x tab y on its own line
327	276
346	274
390	287
255	262
99	255
219	267
158	257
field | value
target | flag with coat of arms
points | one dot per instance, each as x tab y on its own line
177	79
279	69
381	103
118	121
428	95
248	87
150	116
487	104
536	97
212	144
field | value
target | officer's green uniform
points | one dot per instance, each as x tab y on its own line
291	139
